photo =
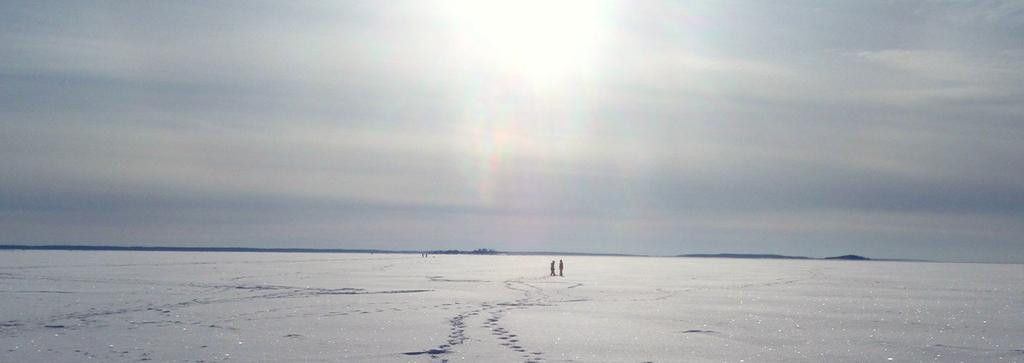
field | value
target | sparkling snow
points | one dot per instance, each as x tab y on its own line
206	307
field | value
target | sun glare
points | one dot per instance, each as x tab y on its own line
524	64
538	42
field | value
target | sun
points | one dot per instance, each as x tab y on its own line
540	42
523	67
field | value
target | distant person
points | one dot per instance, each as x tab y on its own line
552	267
560	267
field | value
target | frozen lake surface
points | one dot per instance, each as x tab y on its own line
205	307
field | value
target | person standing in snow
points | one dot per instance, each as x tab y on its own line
560	267
552	267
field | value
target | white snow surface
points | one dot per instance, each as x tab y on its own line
64	306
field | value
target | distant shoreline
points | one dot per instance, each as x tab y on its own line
780	257
289	250
190	249
434	252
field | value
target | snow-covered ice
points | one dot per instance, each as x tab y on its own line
174	306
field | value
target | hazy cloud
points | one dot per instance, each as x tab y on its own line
885	128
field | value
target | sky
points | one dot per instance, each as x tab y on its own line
891	129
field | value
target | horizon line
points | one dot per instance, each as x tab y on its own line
75	247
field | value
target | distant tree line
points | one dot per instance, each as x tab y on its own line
478	251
